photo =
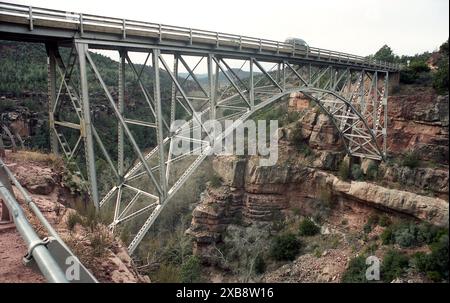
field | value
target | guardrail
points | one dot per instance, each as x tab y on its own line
51	254
83	22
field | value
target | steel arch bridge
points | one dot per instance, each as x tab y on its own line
351	90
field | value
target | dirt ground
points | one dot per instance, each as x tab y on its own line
12	249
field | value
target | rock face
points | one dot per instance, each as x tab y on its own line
35	179
268	192
419	122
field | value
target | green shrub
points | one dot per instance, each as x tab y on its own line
344	171
216	181
435	264
384	221
190	270
367	228
411	159
356	271
393	265
372	171
419	66
260	265
411	234
99	243
73	219
167	273
308	228
406	237
440	78
6	105
387	236
285	247
357	173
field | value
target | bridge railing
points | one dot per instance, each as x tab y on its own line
81	22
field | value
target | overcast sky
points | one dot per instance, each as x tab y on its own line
359	27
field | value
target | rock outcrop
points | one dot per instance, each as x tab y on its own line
419	122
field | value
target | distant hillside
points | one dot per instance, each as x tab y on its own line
203	78
24	69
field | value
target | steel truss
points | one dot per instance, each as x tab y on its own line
354	99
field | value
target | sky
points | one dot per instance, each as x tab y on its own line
359	27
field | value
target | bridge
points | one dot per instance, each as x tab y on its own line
352	90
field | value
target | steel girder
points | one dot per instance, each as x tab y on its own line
354	99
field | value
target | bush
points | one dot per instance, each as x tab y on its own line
367	228
387	236
406	237
260	265
167	273
372	171
384	221
308	228
394	265
419	66
411	160
99	242
440	78
344	171
285	247
411	235
216	181
190	270
356	271
73	219
6	105
357	173
435	264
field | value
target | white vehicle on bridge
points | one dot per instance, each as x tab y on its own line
297	43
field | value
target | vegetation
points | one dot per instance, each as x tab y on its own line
372	171
411	159
285	247
357	173
308	228
434	264
190	270
260	265
73	219
344	171
440	78
394	265
356	270
411	234
215	181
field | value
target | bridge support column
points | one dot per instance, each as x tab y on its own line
86	124
51	70
251	85
120	134
212	87
160	125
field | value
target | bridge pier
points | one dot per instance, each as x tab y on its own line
86	123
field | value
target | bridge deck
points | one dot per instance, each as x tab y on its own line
39	24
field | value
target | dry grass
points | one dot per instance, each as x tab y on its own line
38	157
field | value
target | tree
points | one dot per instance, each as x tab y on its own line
385	53
285	247
190	270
